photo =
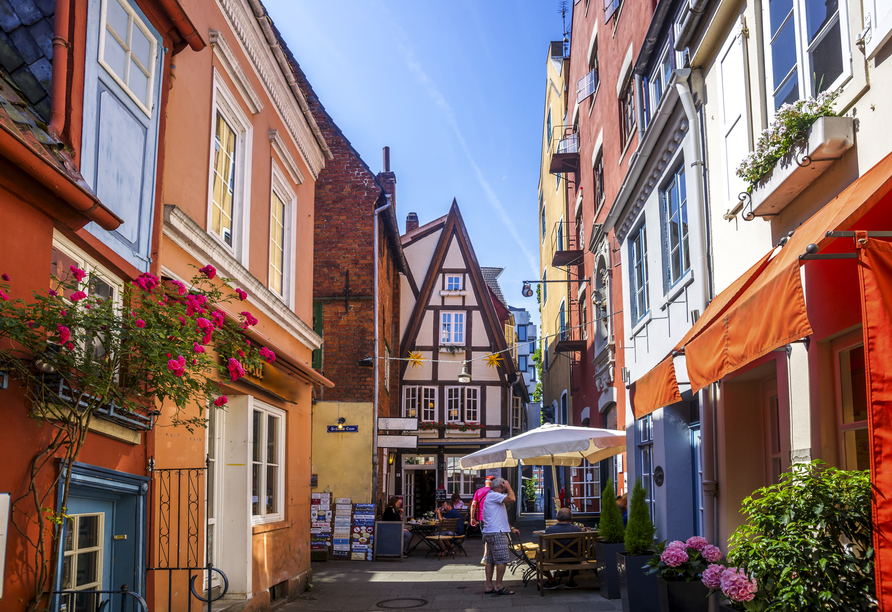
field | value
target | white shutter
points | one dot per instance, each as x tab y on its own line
878	17
735	115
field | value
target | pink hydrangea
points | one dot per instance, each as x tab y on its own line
140	323
267	354
249	319
77	296
197	348
677	544
674	556
220	401
242	294
78	273
181	288
146	281
236	370
737	586
697	542
712	576
218	318
209	271
177	366
711	553
64	334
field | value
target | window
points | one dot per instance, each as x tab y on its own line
453	283
545	285
228	199
420	398
267	463
659	80
521	333
627	112
853	399
646	454
562	322
458	480
640	301
522	363
610	7
585	487
542	215
557	181
564	416
548	127
599	181
65	254
583	319
463	404
276	243
452	328
127	49
83	559
214	449
675	211
586	86
516	414
807	49
560	235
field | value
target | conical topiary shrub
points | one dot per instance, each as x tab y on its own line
610	527
640	529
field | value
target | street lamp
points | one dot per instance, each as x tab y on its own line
465	376
527	290
341	421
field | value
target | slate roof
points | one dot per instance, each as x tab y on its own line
491	276
26	49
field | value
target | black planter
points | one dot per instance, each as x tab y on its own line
608	577
638	590
681	596
725	608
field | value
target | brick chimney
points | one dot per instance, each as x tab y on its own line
411	222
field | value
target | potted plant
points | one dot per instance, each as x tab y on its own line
529	494
679	566
637	588
739	589
611	533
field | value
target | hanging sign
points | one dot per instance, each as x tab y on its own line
398	424
397	441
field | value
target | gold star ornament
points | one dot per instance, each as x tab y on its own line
493	361
416	359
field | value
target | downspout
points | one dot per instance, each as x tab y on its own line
58	97
694	152
377	352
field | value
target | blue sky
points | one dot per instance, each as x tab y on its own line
456	90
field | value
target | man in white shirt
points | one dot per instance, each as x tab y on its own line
496	534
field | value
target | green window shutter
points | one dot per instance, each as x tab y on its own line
317	327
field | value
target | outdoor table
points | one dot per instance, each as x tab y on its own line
421	530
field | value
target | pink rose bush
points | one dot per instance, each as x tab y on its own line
209	271
242	294
267	355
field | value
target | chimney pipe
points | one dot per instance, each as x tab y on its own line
386	159
411	222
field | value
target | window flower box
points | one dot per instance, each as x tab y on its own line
825	142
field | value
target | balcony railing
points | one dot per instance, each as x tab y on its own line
564	150
566	244
586	86
570	338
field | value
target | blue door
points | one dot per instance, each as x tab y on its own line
87	548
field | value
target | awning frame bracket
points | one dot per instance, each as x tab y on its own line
811	251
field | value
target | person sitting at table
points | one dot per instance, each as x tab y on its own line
457	503
564	525
448	511
394	512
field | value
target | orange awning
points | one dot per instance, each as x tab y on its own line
655	389
765	308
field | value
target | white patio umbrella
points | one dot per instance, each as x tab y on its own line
549	445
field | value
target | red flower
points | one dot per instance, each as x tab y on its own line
53	292
249	319
78	273
197	347
140	323
236	370
70	346
242	295
209	271
195	304
220	401
5	277
267	354
181	288
64	334
177	366
77	296
218	317
3	296
146	281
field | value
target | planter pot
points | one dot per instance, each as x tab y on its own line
637	589
827	140
529	505
723	607
607	574
680	596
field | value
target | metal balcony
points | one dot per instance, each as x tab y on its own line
566	244
570	339
564	150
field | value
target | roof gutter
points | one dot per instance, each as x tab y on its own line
64	187
264	20
689	22
181	22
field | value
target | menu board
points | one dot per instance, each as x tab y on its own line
362	546
342	528
320	521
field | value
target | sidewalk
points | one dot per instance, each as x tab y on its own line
456	585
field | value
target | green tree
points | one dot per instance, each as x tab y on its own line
610	527
640	529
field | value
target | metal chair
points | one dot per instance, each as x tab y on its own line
522	559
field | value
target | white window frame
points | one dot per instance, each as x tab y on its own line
458	405
214	432
646	449
134	20
591	489
453	337
457	478
429	402
803	61
456	277
267	411
281	188
71	527
673	188
640	285
659	77
416	403
516	420
90	266
225	103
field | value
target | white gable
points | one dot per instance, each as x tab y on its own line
454	257
419	255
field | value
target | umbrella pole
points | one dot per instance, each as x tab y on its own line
554	481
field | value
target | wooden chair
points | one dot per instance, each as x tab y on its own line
433	541
550	522
564	551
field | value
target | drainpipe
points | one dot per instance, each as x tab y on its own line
60	68
377	352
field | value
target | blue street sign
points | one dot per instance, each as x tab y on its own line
347	428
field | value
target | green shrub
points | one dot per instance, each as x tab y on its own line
640	529
610	528
808	541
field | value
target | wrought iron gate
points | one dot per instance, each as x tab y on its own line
175	525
